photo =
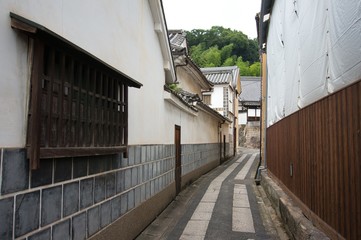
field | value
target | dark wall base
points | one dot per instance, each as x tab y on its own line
132	223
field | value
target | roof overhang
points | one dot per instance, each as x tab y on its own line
35	30
183	61
160	28
264	19
205	108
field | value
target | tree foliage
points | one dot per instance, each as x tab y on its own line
220	46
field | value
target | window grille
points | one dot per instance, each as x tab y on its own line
78	104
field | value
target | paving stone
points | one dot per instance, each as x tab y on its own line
15	171
51	205
27	213
195	228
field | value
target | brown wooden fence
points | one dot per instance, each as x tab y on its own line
315	153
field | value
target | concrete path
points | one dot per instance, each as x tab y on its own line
222	204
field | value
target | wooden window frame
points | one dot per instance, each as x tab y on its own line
78	104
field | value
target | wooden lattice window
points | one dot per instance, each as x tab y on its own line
77	106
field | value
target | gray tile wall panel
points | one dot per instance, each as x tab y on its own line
105	214
51	205
15	171
70	198
27	213
93	220
6	218
62	231
79	226
43	235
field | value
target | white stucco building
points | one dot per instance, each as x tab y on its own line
93	144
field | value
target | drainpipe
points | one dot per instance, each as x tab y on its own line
220	139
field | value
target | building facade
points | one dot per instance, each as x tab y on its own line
92	143
224	96
313	62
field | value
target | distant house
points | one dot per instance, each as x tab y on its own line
249	100
224	97
191	84
249	112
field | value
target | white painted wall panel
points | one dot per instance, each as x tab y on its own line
217	97
313	49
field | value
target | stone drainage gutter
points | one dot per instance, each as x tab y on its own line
297	225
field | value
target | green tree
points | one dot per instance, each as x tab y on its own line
243	66
226	52
221	46
221	37
255	69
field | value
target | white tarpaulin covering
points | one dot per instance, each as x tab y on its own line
313	49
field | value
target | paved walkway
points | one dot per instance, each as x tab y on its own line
220	205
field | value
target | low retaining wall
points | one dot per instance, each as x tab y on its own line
297	225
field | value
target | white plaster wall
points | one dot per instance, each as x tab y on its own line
186	82
217	97
242	118
119	32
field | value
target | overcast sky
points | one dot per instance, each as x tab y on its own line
234	14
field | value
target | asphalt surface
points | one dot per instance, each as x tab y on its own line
222	204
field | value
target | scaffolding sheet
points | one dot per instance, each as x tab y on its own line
313	50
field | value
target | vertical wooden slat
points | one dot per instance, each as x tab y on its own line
49	110
61	95
125	120
36	96
93	108
78	134
323	142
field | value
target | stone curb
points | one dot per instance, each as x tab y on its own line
297	225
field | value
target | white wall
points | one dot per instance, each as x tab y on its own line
254	112
242	118
119	32
217	97
305	67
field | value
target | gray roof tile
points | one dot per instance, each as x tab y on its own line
251	89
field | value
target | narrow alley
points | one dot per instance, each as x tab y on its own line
223	204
